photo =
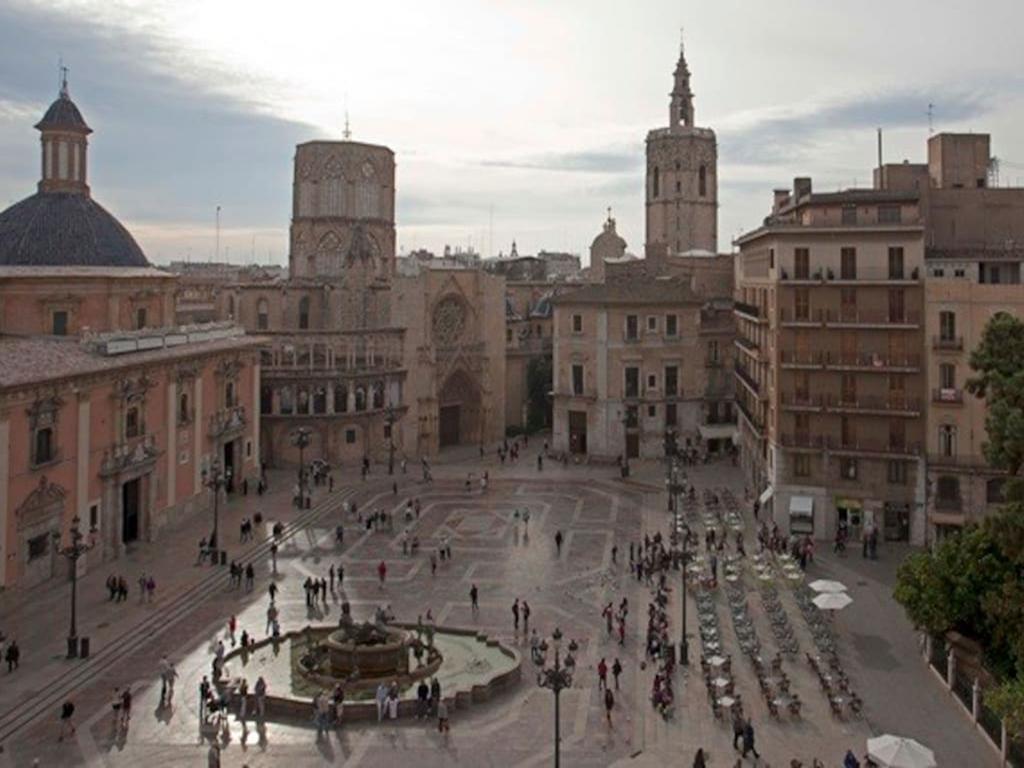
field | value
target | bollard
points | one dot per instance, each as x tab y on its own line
84	648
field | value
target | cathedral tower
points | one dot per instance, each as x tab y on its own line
682	177
343	212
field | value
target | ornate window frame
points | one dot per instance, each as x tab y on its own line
43	415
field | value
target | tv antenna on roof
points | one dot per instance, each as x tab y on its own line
347	133
931	118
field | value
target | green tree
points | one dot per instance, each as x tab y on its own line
539	382
998	362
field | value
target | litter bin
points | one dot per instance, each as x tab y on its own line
83	652
223	557
309	502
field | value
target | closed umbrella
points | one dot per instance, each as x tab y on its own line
900	752
827	585
832	601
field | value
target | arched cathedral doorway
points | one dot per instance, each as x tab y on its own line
459	414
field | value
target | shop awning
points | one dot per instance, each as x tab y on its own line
718	431
801	506
764	497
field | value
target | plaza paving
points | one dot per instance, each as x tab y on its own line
493	550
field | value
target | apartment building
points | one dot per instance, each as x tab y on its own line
829	372
638	365
974	249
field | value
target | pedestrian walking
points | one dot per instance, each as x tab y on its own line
273	556
615	553
232	626
12	656
737	729
67	725
126	707
700	759
616	671
526	617
260	690
474	594
558	542
272	590
330	573
515	615
602	675
609	703
748	740
382	573
250	577
381	698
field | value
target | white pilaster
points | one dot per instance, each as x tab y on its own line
256	408
198	442
172	442
82	459
5	506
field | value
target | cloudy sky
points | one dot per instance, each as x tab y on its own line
510	120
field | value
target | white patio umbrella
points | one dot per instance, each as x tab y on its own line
827	585
832	601
900	752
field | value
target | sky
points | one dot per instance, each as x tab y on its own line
510	120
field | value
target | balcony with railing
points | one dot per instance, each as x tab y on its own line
749	347
790	317
867	318
874	447
947	396
802	401
873	362
874	404
749	381
803	441
756	425
750	312
864	275
877	447
973	461
948	343
790	358
949	503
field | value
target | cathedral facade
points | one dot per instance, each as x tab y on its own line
376	365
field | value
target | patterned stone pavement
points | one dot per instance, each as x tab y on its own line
495	551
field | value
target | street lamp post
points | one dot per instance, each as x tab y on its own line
301	438
215	478
676	484
77	547
556	676
389	419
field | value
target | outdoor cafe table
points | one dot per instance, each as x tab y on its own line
716	661
726	701
720	682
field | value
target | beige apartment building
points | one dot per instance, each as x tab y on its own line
638	369
975	246
857	312
829	373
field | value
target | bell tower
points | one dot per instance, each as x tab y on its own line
681	105
682	178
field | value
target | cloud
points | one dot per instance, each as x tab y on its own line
790	135
590	161
165	148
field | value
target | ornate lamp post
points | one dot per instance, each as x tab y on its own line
390	419
556	677
216	479
77	547
675	483
301	439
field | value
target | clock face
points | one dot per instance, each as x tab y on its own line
367	170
